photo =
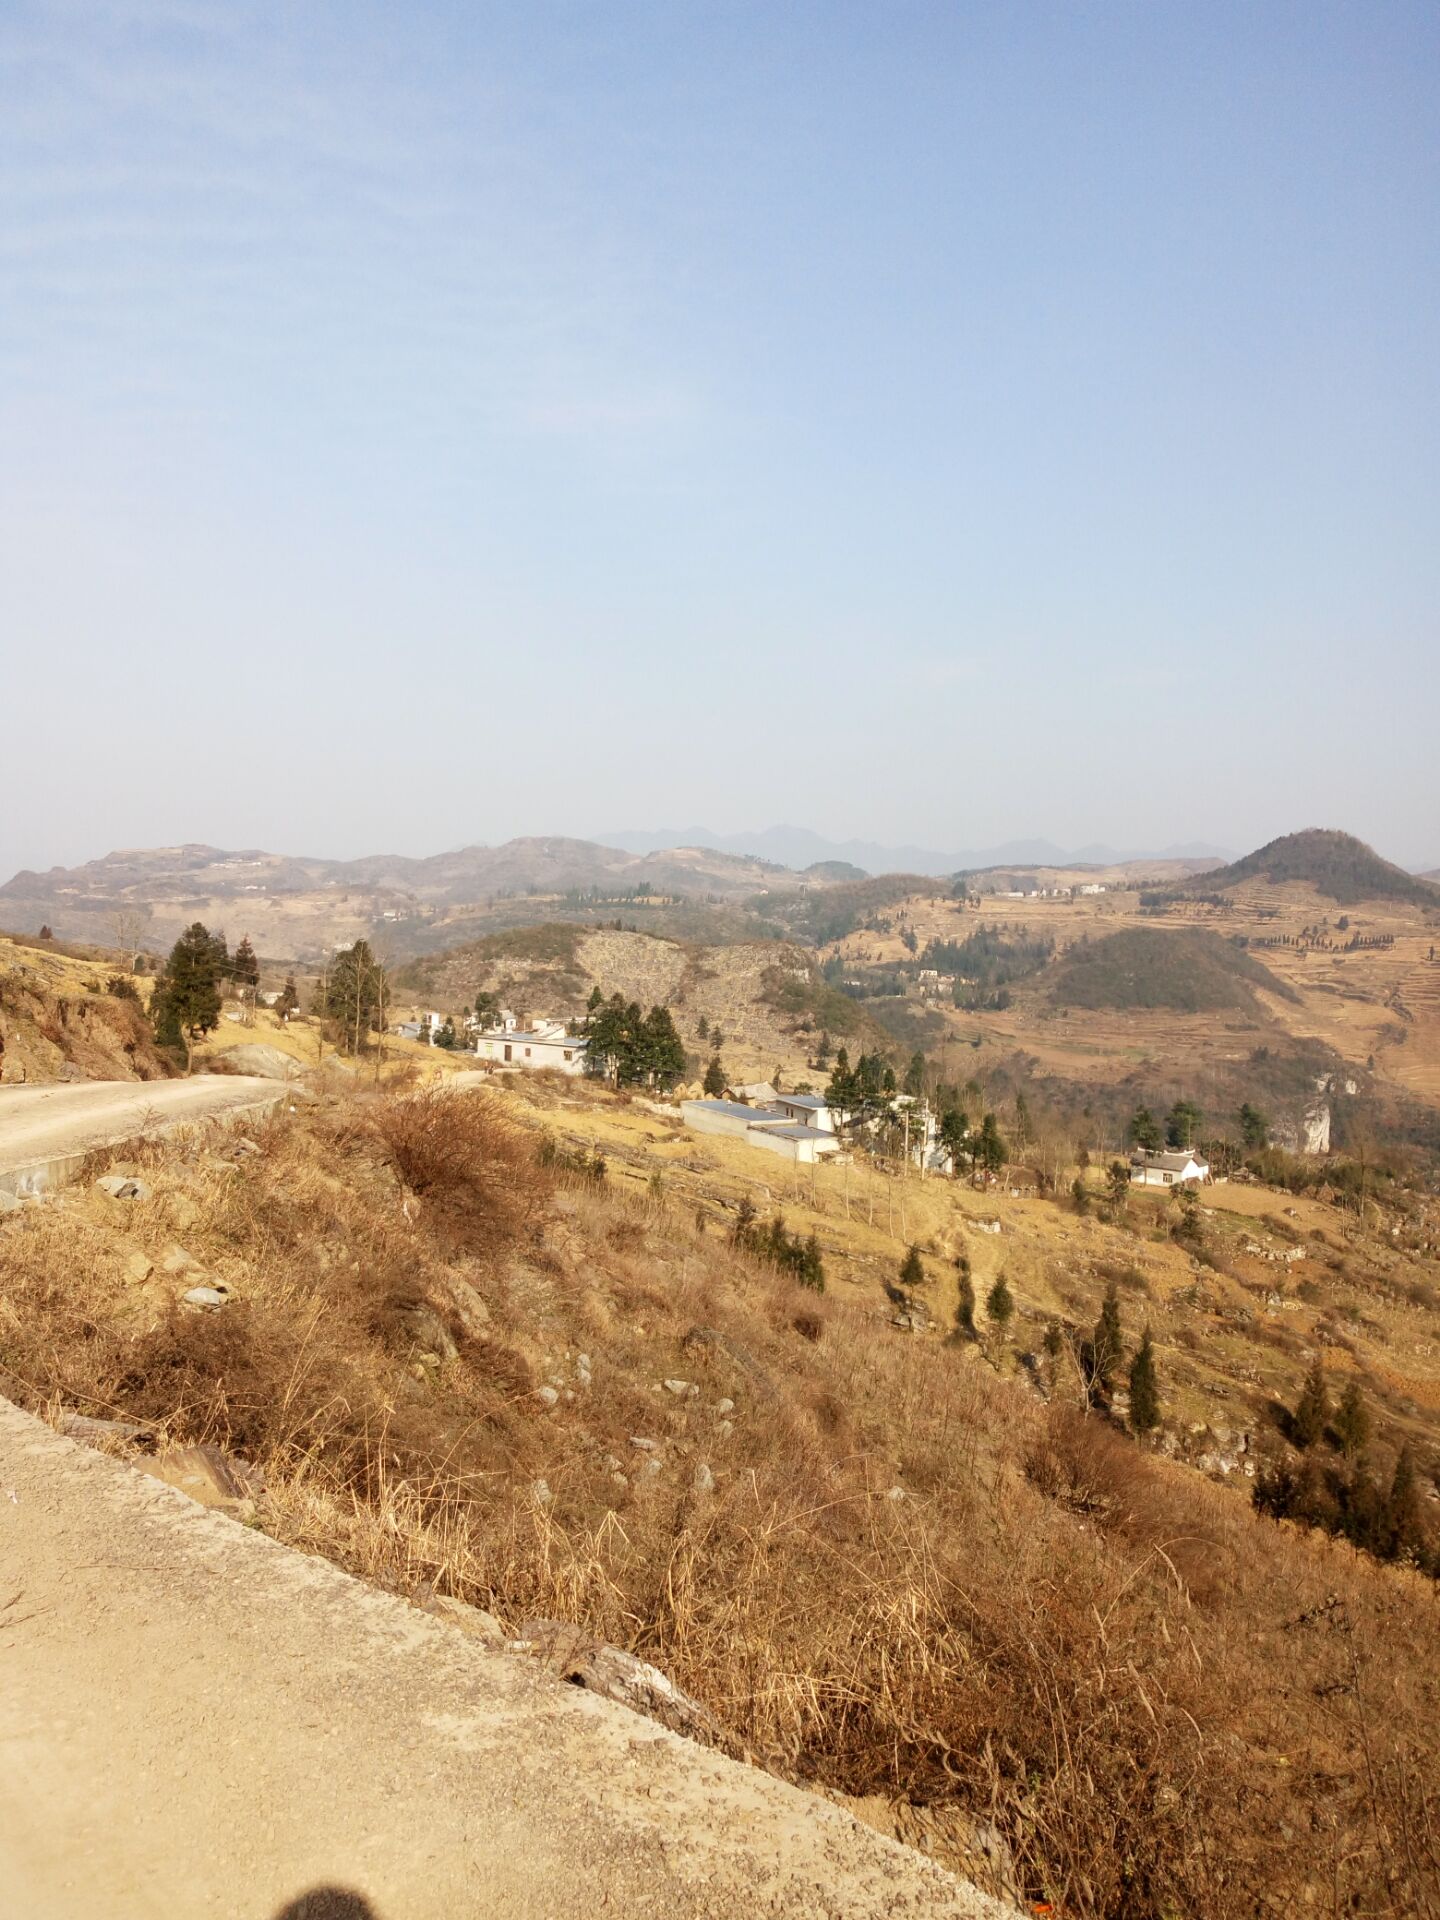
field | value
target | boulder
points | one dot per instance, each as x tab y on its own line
254	1057
207	1475
207	1299
572	1655
137	1268
122	1186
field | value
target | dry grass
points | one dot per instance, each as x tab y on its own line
1167	1705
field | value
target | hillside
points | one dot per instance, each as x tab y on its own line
1142	967
1335	864
885	1563
300	908
61	1018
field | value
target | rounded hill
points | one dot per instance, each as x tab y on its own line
1335	864
1143	967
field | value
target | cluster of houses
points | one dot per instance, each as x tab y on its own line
798	1125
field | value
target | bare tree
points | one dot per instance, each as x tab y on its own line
129	926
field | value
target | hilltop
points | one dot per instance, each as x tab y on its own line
1335	864
1190	972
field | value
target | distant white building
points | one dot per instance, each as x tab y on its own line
1168	1169
799	1126
540	1045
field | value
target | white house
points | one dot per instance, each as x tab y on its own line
787	1127
806	1110
1168	1169
543	1044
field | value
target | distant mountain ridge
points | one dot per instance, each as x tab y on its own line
801	848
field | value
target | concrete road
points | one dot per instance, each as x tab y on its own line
196	1720
42	1127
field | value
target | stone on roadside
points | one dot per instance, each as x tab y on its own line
474	1622
207	1475
207	1299
121	1186
138	1268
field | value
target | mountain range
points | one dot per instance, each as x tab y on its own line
801	847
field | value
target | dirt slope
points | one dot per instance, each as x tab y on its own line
194	1719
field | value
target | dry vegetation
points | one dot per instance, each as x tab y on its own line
909	1575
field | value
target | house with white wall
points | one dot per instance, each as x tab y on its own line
1168	1169
789	1126
535	1046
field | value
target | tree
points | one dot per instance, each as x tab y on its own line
915	1075
661	1058
129	924
1254	1127
812	1266
912	1270
965	1303
45	933
186	1001
1000	1304
1312	1411
1352	1421
1144	1388
954	1136
1143	1132
1117	1185
1402	1524
1080	1194
714	1082
355	994
1107	1343
445	1035
245	967
1182	1125
702	1031
1024	1131
991	1150
840	1092
743	1231
289	1000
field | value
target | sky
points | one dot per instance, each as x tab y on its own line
931	422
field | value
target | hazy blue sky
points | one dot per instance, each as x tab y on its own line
945	422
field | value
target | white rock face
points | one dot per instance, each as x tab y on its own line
1315	1128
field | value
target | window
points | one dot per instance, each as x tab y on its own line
527	1053
509	1051
568	1054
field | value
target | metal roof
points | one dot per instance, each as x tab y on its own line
791	1130
1167	1162
732	1109
816	1102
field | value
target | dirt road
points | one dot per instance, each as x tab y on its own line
40	1126
196	1720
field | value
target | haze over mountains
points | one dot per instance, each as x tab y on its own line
802	847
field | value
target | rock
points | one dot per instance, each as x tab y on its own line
138	1268
703	1480
81	1426
207	1299
267	1063
573	1656
682	1389
649	1468
642	1445
725	1429
428	1331
177	1260
547	1396
724	1406
183	1211
121	1186
540	1492
474	1622
473	1313
207	1475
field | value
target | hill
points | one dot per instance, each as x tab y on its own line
1143	967
1336	864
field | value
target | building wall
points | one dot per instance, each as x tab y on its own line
704	1120
531	1052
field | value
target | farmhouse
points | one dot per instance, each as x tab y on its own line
799	1126
1168	1169
542	1044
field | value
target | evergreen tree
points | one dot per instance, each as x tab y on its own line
965	1304
991	1151
1254	1127
1000	1304
186	1001
1024	1132
1182	1125
1143	1131
1312	1411
245	967
912	1270
840	1093
812	1270
662	1059
1144	1388
1403	1523
1117	1185
743	1231
1107	1343
355	995
702	1031
446	1036
954	1136
289	1000
1080	1194
714	1082
1352	1420
915	1075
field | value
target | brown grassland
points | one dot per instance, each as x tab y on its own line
905	1571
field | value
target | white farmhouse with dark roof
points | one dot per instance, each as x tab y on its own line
1168	1169
540	1045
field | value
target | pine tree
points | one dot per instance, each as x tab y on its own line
1352	1420
1080	1194
355	995
965	1304
991	1152
714	1079
812	1269
702	1031
1000	1304
1144	1388
1143	1131
1182	1124
915	1075
1403	1523
1117	1185
245	967
186	1002
1312	1411
912	1270
289	1000
1108	1343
